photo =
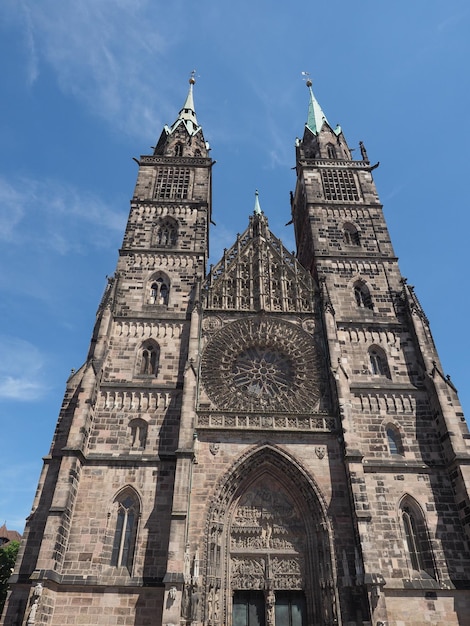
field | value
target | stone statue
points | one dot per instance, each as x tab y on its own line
270	608
32	612
216	606
195	600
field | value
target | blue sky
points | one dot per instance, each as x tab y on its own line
88	85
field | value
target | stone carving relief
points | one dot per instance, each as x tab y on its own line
214	448
266	522
247	573
258	273
211	324
269	524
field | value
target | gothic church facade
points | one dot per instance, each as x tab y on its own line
269	443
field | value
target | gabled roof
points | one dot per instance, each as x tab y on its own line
8	535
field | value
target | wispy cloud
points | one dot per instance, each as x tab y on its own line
109	54
21	370
32	65
54	210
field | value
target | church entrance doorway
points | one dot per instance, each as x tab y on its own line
268	551
252	608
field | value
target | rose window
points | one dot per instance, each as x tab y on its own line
261	364
262	372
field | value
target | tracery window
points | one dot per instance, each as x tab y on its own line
362	295
149	359
378	362
126	530
331	151
167	233
172	183
159	291
416	538
351	235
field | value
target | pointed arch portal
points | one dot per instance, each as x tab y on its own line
268	547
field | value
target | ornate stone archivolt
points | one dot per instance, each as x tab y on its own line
268	531
261	364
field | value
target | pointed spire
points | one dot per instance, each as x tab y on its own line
316	118
187	115
257	210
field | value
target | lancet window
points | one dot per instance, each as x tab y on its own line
378	362
149	359
167	233
331	151
362	295
416	538
126	530
394	441
159	291
351	235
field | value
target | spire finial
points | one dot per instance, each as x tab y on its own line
257	209
192	79
307	79
316	117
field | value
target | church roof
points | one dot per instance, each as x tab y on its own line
8	535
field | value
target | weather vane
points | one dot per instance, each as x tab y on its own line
307	79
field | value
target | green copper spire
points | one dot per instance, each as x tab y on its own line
316	118
187	115
257	210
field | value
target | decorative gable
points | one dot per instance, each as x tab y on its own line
258	274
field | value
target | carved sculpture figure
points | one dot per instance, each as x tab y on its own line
270	608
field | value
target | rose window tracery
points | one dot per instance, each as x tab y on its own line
262	372
261	364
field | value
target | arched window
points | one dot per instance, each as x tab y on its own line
149	359
416	538
159	291
126	530
179	150
394	440
362	295
351	235
378	362
139	429
167	233
331	151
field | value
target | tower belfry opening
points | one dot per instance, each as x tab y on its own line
270	441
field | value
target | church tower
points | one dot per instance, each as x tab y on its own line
267	442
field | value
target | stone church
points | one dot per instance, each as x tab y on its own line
270	441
